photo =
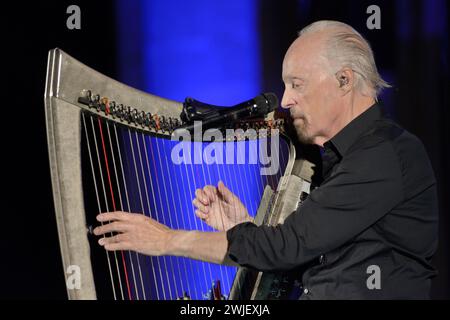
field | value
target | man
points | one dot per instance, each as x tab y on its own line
368	232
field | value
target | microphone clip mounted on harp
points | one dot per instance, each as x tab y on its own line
196	113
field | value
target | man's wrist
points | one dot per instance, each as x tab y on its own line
178	243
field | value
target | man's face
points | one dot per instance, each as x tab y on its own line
311	89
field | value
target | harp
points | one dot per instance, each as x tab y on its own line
110	148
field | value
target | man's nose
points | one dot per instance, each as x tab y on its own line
287	101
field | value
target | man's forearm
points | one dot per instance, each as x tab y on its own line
205	246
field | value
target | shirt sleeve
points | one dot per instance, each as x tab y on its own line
364	188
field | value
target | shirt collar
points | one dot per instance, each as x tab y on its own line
345	138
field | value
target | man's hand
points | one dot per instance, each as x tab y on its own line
136	232
142	234
219	207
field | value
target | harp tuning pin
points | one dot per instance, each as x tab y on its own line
141	118
86	93
127	115
148	119
96	102
166	124
104	105
157	122
85	98
134	116
112	108
120	112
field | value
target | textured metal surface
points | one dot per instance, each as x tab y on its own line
70	77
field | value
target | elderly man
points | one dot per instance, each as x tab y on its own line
375	211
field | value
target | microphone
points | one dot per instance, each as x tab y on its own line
212	115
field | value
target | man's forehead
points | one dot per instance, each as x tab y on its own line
295	66
304	54
309	42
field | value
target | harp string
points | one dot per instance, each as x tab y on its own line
190	207
151	259
232	175
191	177
127	282
98	203
138	184
157	185
176	212
179	210
137	256
121	206
226	269
247	190
165	208
251	207
147	211
210	181
202	181
236	177
243	173
106	206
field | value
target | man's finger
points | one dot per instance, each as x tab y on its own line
201	195
210	191
114	239
201	214
110	227
113	216
200	205
225	192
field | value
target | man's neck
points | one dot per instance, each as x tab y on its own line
356	106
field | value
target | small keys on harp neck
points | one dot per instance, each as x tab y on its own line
167	125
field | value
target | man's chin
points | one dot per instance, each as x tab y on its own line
303	137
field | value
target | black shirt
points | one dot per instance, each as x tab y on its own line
368	231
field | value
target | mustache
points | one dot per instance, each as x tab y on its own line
297	116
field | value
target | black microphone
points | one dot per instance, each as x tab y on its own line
212	115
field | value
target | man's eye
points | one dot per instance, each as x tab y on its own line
295	85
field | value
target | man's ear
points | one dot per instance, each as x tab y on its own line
346	79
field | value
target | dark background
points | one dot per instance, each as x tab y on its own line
411	52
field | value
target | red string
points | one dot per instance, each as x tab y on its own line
113	203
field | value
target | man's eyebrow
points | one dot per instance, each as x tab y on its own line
293	78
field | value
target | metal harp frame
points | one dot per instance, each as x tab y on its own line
66	77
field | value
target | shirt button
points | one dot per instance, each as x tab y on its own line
305	291
322	259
